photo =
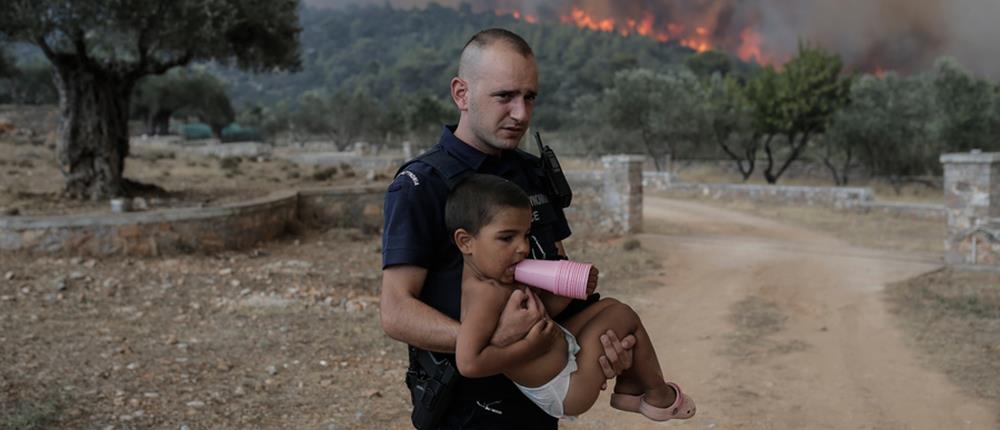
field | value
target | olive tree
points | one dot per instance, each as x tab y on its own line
795	104
885	127
158	98
101	48
727	121
660	110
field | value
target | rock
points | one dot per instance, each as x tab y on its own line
184	427
195	404
139	204
271	370
75	260
234	283
59	284
8	276
90	263
372	393
76	276
226	272
239	391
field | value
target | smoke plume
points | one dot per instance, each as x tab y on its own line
901	35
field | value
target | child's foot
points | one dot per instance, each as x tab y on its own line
682	407
626	396
662	396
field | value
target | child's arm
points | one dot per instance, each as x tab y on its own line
475	356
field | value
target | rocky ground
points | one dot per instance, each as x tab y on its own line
283	336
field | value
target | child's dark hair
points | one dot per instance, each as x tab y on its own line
478	198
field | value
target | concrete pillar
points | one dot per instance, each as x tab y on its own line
407	151
972	195
622	193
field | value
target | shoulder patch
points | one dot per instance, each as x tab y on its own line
413	177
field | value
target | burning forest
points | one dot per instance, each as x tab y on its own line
870	35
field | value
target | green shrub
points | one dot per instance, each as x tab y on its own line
196	130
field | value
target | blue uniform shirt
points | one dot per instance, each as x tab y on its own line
415	232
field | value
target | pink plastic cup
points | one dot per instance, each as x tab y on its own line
562	278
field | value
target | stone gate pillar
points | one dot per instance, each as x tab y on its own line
622	193
972	195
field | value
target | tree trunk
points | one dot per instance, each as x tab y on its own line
160	122
93	132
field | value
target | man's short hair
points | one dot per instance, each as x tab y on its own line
491	36
478	198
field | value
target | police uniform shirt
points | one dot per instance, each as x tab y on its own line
415	232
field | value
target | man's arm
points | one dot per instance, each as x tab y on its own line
407	319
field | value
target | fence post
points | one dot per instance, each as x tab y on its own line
972	196
622	193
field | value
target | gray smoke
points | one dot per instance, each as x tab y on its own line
903	35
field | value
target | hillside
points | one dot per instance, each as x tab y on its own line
394	53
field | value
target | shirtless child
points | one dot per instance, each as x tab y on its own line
490	219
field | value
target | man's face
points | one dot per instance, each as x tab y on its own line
500	99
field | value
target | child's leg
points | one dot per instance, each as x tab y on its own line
585	384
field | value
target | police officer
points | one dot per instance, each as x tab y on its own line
495	92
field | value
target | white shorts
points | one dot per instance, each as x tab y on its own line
550	396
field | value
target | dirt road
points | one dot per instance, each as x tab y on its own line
775	327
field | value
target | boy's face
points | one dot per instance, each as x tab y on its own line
500	245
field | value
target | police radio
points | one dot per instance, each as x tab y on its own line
559	190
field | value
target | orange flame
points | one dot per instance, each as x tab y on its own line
750	46
699	36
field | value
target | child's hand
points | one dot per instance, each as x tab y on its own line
592	280
522	312
544	332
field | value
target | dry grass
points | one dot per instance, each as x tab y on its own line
954	318
874	230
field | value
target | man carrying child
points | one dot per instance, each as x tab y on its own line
495	92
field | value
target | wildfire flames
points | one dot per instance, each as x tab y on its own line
700	34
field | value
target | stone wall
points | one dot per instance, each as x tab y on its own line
354	207
608	201
177	231
151	233
972	195
839	197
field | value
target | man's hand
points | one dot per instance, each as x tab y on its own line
522	311
617	356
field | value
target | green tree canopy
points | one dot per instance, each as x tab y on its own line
886	125
708	63
964	108
658	111
727	122
101	48
796	104
192	93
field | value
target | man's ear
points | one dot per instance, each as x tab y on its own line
463	240
460	93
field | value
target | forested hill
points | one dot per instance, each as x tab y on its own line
395	55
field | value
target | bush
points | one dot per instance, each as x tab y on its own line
237	133
196	131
